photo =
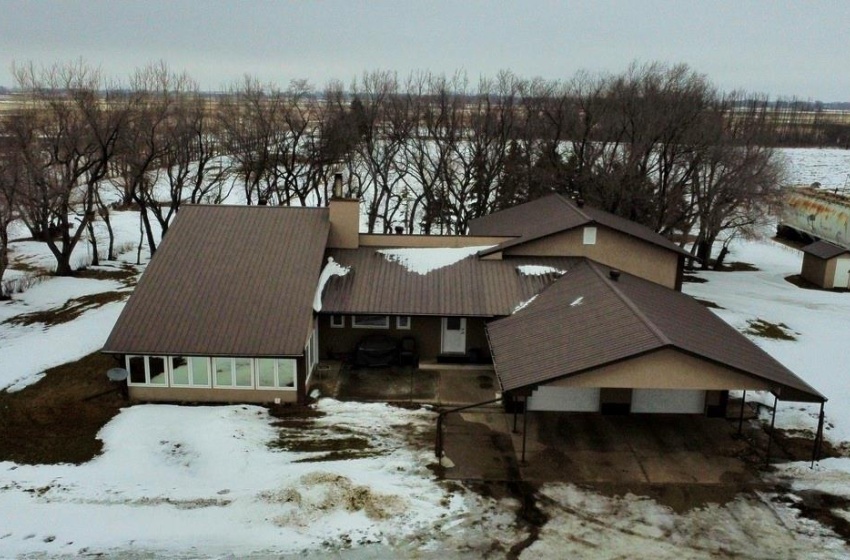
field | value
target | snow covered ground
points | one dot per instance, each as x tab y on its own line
186	482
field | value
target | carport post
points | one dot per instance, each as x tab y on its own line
524	426
741	417
818	438
515	405
770	434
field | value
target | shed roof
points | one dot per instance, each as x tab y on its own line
586	320
227	281
553	214
471	286
825	250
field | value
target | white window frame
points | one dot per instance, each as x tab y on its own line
191	369
337	321
251	362
386	324
147	382
399	325
589	235
277	386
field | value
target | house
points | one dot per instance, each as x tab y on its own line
577	309
826	265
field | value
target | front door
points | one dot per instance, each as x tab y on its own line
454	335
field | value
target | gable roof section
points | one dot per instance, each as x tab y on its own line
227	281
470	287
587	320
824	250
553	214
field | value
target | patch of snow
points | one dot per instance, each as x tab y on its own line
25	381
424	260
331	269
524	304
538	270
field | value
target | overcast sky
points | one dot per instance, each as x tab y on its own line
779	47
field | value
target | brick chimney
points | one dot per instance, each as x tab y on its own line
344	217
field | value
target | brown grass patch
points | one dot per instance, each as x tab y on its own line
766	329
126	274
57	419
72	309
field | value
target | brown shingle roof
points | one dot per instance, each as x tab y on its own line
469	287
585	320
553	214
824	249
227	281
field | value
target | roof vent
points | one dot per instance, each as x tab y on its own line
580	202
614	274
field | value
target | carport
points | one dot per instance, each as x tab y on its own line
603	342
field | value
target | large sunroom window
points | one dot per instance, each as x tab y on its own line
146	370
276	373
233	372
190	371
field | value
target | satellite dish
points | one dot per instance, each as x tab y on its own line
117	374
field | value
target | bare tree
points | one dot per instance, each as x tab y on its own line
66	137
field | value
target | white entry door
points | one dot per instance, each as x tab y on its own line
454	335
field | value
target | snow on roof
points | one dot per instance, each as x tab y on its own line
424	260
333	268
538	270
524	304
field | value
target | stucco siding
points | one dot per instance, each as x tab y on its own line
611	248
664	369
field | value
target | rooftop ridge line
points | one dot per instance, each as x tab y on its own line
659	334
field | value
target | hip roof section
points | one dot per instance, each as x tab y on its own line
227	281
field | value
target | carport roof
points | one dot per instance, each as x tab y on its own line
553	214
227	281
587	320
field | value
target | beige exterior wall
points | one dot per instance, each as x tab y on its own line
819	272
426	330
664	369
420	241
195	394
613	249
344	215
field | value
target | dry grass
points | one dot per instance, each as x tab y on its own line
56	420
72	309
766	329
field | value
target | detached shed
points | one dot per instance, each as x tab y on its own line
826	265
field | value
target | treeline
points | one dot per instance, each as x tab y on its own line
656	144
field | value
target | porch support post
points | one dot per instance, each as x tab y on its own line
515	414
524	426
818	438
770	433
741	416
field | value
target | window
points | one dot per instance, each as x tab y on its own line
590	236
337	321
235	373
276	373
180	374
402	322
200	371
370	321
147	370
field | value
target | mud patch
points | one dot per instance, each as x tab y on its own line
827	509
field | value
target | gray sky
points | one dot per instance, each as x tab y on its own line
779	47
